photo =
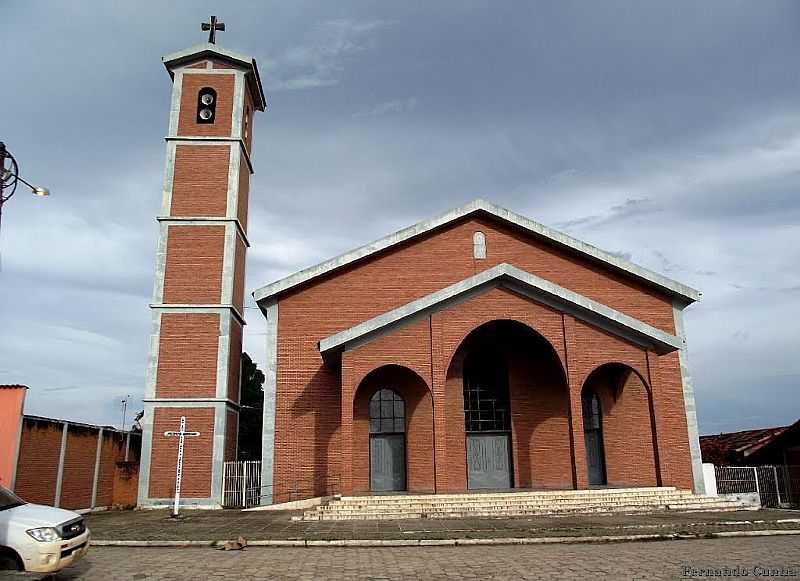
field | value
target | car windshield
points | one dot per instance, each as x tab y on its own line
8	499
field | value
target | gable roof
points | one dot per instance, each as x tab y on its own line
520	281
671	287
740	445
208	50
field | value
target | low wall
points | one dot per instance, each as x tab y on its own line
73	465
126	484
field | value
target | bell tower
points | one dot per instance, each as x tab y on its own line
197	309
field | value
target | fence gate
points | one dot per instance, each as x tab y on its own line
241	484
777	485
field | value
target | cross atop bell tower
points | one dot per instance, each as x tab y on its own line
212	26
198	294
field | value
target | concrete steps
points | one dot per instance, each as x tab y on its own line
514	504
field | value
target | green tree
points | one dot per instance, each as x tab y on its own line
251	413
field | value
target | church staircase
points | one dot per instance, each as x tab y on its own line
518	504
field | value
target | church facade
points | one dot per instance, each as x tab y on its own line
475	350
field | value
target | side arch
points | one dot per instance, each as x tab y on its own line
418	426
629	436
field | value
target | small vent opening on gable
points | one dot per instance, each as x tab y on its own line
479	245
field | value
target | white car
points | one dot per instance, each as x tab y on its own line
39	538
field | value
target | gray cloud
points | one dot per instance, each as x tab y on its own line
320	61
667	132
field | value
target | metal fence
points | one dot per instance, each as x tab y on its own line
241	484
776	486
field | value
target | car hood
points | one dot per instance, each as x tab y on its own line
37	515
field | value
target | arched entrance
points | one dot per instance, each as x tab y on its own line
487	420
507	410
392	433
593	437
387	441
618	427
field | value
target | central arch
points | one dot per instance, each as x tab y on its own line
507	408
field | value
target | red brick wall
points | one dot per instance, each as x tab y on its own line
37	467
126	484
193	271
540	418
79	461
112	451
187	356
187	120
200	180
231	432
235	360
309	441
196	481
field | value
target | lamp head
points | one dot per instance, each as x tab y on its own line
41	192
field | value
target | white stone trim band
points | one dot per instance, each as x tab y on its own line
538	288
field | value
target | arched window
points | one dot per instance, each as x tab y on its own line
387	413
479	245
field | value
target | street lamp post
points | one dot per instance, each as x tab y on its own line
10	178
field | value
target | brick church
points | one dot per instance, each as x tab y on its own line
475	350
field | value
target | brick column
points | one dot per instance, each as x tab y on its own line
198	297
661	423
438	376
348	393
580	478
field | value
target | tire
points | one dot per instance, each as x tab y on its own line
9	560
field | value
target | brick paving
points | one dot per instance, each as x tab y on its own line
618	561
277	525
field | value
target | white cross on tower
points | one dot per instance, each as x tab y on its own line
179	470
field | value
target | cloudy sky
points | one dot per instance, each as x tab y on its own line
667	131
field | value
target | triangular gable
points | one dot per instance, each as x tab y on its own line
667	285
522	282
208	50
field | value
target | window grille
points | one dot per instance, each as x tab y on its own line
486	402
387	413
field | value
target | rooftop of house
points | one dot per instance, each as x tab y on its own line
746	442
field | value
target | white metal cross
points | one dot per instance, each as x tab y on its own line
179	470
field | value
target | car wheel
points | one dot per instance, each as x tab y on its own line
10	561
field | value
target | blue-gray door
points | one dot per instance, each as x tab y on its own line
593	437
387	462
488	463
387	441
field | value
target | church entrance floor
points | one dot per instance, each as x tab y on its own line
212	527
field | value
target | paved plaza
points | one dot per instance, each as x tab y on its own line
618	561
221	525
